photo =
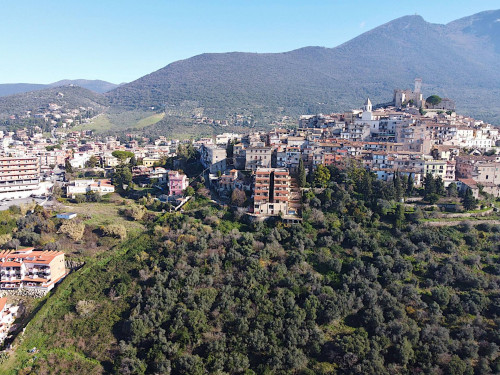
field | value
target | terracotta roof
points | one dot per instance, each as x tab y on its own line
3	302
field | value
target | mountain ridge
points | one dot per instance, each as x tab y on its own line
455	60
96	85
452	62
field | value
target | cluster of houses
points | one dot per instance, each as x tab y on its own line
409	136
394	139
57	116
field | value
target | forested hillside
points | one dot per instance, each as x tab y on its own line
68	97
361	287
97	86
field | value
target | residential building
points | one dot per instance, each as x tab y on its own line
177	183
214	158
84	186
150	161
272	191
8	314
258	157
29	268
19	177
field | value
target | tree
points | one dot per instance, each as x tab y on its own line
238	197
398	187
67	166
433	100
410	186
469	201
189	191
122	155
133	161
301	174
399	216
429	185
122	176
114	230
432	198
134	212
452	190
321	175
92	162
439	185
73	229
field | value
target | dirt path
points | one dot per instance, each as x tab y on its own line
458	222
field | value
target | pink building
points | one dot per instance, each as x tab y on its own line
177	182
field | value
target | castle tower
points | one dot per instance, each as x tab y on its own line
418	85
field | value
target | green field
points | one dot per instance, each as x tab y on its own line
121	121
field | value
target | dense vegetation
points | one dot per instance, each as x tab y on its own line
361	287
68	97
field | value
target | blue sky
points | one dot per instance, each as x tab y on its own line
122	40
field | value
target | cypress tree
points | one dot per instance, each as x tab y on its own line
301	174
469	201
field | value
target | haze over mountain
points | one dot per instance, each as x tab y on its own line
93	85
459	60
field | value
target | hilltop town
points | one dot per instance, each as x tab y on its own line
410	138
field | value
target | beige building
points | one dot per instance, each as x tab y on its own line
258	157
272	191
29	268
436	167
149	162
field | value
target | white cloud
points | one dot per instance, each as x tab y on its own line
362	24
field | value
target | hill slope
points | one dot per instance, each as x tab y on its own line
98	86
69	97
456	60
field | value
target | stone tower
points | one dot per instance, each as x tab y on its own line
418	85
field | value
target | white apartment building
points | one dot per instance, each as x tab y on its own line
19	177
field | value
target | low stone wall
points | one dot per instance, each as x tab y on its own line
24	292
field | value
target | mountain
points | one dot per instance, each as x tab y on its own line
459	60
68	97
93	85
17	88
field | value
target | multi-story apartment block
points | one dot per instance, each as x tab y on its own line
272	191
29	268
214	158
436	167
258	157
19	177
288	157
177	183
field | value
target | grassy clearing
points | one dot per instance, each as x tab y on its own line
153	119
96	214
120	121
100	123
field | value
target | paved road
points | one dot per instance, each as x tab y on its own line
16	202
